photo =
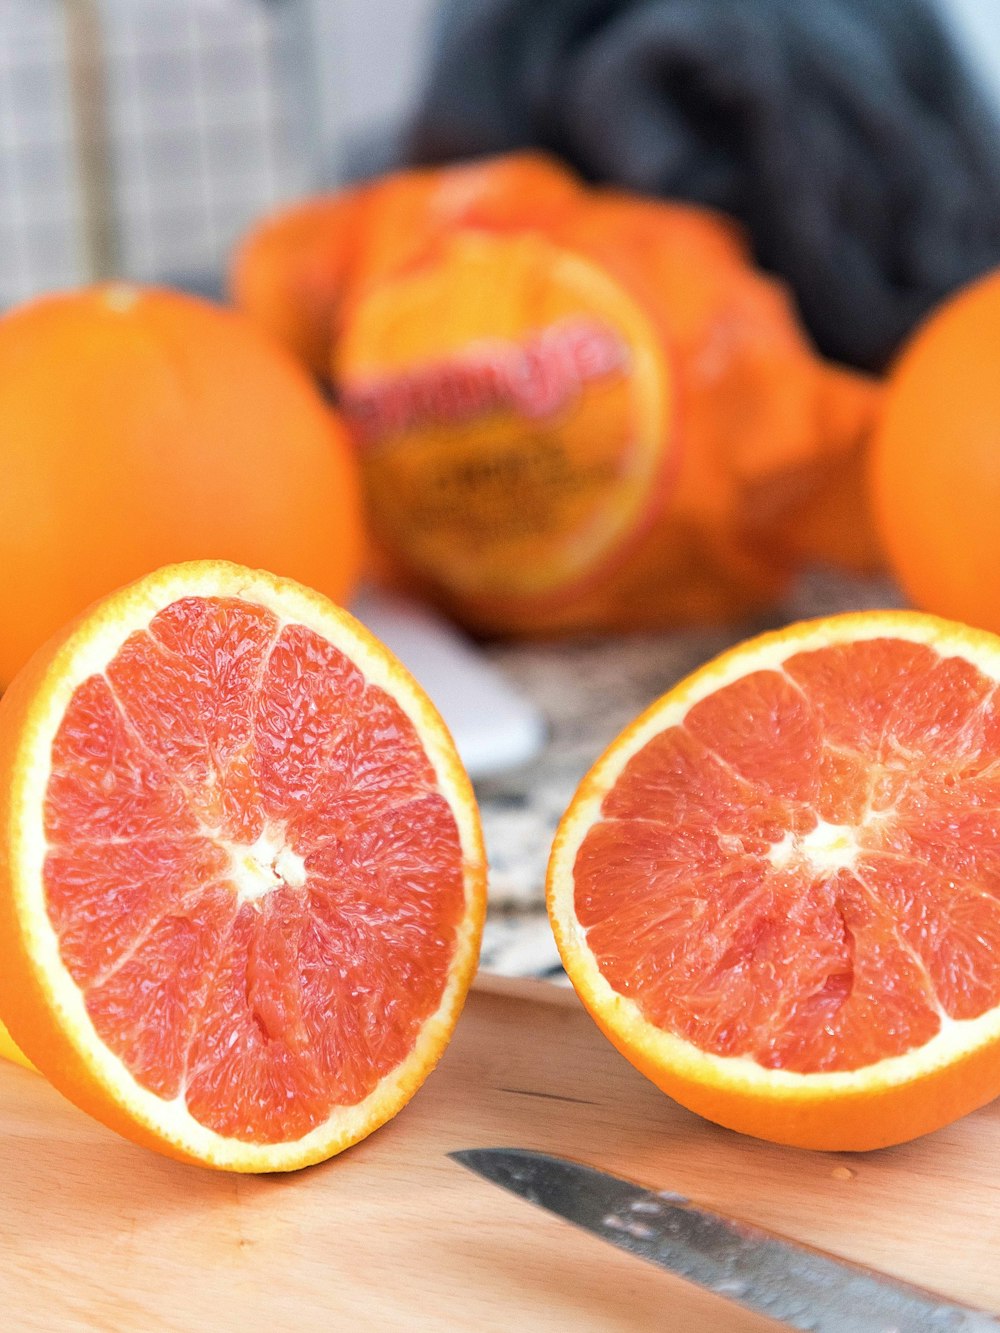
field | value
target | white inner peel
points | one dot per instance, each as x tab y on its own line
825	849
261	867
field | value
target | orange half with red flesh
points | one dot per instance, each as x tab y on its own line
778	892
242	880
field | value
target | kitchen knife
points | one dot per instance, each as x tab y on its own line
801	1286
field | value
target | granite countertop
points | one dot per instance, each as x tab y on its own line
588	690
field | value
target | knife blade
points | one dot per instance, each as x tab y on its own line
801	1286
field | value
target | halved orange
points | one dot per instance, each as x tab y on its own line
242	877
778	891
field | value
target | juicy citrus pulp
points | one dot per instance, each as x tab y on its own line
243	873
779	890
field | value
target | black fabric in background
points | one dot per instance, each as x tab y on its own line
846	134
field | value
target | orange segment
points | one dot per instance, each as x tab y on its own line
779	891
243	881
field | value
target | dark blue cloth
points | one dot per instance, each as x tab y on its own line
846	134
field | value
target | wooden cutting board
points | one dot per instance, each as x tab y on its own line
96	1234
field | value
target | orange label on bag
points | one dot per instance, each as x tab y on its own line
511	405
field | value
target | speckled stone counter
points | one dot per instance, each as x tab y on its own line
588	690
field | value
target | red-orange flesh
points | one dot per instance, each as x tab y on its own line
214	735
716	896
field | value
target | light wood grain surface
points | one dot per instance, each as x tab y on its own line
98	1234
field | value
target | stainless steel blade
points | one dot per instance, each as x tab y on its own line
801	1286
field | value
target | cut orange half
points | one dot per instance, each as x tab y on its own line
242	877
778	891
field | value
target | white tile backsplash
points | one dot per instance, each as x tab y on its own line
204	124
217	110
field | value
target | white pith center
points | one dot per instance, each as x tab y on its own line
265	865
824	849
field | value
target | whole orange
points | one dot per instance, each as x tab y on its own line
140	427
611	421
935	475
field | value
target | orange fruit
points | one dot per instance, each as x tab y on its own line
778	891
834	524
480	509
289	272
935	477
410	210
597	423
10	1051
294	270
140	427
713	455
242	878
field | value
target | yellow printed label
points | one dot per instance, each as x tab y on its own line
511	404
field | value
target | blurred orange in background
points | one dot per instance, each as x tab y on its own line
936	460
142	427
290	273
575	408
293	271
